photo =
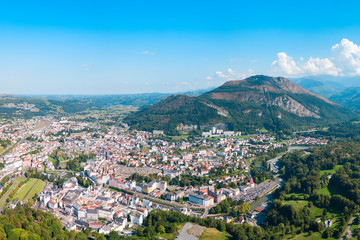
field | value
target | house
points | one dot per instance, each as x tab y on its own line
52	204
170	197
156	184
118	214
95	226
228	219
328	223
105	229
13	203
250	215
137	218
121	223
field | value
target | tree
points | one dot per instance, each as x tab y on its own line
161	229
244	208
114	236
222	227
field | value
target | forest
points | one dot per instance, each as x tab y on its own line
327	181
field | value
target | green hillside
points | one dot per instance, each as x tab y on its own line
256	102
350	98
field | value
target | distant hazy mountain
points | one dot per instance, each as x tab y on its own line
140	100
40	105
350	98
343	80
323	88
255	102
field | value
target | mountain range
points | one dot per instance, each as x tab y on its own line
323	88
273	103
349	98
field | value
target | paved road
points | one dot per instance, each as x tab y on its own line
6	195
165	202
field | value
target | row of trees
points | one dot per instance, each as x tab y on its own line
168	222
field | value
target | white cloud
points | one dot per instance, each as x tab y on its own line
346	56
343	61
286	64
85	67
148	52
316	66
235	60
230	74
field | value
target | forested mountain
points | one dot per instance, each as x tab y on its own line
323	88
350	98
274	103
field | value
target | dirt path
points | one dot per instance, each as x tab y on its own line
30	190
348	233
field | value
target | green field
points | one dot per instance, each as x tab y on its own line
36	190
213	234
329	190
297	204
314	236
181	137
20	179
53	160
243	137
332	171
315	211
24	189
16	183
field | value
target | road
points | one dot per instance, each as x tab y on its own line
348	233
6	195
165	202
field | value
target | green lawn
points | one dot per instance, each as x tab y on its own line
296	195
181	137
315	211
214	234
297	204
53	160
36	189
305	236
329	190
243	137
324	191
332	171
20	179
24	189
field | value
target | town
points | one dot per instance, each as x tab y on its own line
101	174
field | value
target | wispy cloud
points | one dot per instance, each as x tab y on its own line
148	53
85	67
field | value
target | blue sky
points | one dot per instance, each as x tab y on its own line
115	47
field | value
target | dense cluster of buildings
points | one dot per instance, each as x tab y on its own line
119	152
